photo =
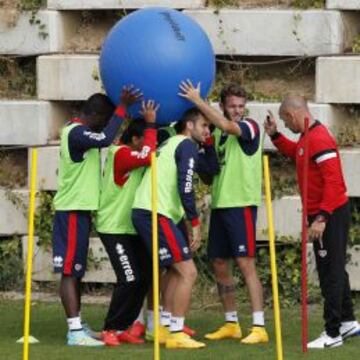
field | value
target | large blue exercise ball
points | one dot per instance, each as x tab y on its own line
154	49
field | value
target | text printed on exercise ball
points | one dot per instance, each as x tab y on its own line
155	49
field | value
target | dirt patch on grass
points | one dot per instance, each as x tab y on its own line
13	168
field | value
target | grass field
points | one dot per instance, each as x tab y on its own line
48	326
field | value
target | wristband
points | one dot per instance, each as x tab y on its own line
120	111
209	141
275	135
195	222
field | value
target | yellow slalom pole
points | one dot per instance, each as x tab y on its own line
155	255
30	253
279	347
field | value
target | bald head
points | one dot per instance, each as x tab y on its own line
293	103
293	110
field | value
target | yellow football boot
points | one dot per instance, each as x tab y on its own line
164	333
227	331
180	340
257	335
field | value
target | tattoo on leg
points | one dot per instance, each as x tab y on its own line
225	289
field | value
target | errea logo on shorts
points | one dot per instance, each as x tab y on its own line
242	248
185	250
164	254
125	263
78	267
58	261
120	249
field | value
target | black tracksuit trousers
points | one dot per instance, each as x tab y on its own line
330	263
132	265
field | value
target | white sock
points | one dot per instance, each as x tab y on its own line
177	324
150	320
258	318
74	323
349	323
140	317
165	318
231	316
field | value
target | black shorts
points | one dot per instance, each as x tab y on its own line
173	239
71	242
232	232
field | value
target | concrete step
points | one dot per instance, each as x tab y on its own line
99	267
343	4
287	219
278	32
231	31
29	122
67	77
48	35
338	79
121	4
350	159
47	171
48	164
13	212
352	266
59	76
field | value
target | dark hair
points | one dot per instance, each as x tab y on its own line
232	89
189	115
135	128
98	104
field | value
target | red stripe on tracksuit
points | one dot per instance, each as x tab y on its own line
171	239
71	245
250	234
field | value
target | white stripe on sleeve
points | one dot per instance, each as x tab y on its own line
251	128
325	157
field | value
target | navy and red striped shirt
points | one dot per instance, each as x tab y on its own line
326	185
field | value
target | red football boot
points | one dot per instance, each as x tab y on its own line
109	337
137	329
126	337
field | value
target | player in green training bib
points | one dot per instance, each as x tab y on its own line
236	195
78	195
124	168
177	161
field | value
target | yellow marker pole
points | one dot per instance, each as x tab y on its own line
155	254
30	253
279	347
